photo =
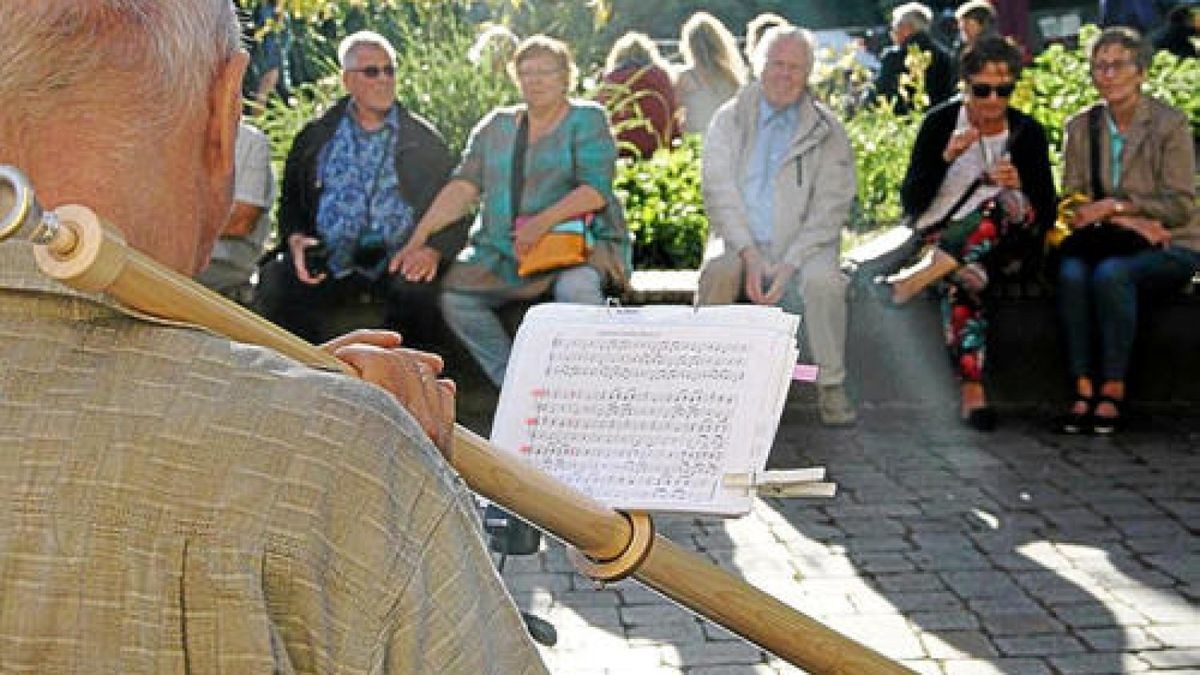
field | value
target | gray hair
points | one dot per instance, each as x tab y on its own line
59	53
363	38
915	15
758	60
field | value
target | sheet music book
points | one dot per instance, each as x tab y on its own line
649	408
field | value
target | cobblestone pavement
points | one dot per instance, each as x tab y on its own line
954	552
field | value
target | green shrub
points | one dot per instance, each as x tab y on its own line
664	206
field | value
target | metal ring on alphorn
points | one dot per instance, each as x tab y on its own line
628	560
14	186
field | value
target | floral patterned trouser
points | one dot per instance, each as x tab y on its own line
972	240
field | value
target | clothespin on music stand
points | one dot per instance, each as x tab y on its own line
783	482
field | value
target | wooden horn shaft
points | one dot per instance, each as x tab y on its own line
93	256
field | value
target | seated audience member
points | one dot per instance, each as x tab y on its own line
493	49
566	156
356	182
173	501
910	28
1136	230
778	182
1179	34
272	41
979	187
637	90
976	19
713	71
757	27
240	245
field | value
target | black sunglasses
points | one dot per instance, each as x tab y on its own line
985	90
373	72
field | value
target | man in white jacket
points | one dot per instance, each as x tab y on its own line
778	178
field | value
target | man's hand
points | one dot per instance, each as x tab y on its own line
408	374
417	263
297	244
780	275
755	274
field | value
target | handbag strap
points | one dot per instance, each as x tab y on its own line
518	165
1094	119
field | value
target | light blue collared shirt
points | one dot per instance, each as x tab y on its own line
776	126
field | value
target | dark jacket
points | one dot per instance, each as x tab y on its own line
940	77
423	164
1028	150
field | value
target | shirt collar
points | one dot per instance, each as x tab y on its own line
788	113
391	120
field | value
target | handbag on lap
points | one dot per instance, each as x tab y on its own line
567	244
1102	240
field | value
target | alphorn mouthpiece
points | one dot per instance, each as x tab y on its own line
22	217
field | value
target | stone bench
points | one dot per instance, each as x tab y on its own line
895	355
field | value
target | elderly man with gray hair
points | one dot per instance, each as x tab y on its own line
172	501
778	182
910	28
357	181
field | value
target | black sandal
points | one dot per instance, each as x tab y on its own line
1107	425
1075	422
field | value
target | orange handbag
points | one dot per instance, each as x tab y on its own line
567	244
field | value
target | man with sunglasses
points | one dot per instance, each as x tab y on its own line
356	182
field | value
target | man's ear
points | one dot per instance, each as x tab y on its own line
225	111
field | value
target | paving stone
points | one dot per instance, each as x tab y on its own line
1098	664
981	584
995	667
715	654
958	644
950	619
1178	635
1117	639
1038	645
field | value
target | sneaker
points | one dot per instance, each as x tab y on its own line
834	406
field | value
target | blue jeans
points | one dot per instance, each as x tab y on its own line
473	318
1099	304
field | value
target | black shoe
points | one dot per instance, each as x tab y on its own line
1075	422
982	418
1107	425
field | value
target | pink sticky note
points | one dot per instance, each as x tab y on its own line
804	372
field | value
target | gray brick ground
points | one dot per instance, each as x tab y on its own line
1019	552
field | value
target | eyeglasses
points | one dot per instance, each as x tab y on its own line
535	73
1114	67
372	72
980	90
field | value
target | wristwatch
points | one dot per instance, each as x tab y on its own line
1118	207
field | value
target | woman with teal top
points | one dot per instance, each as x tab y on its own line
567	172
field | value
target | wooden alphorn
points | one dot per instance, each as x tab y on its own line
75	247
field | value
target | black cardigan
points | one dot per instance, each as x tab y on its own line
1028	150
423	164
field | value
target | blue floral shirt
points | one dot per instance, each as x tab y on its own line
361	215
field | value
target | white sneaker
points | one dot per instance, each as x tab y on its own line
834	406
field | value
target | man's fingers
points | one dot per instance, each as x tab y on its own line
386	339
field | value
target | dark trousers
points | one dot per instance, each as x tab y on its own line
318	313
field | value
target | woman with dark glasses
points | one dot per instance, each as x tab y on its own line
979	188
1129	164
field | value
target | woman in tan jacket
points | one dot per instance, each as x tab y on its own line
1130	162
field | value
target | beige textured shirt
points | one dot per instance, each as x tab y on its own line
173	502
